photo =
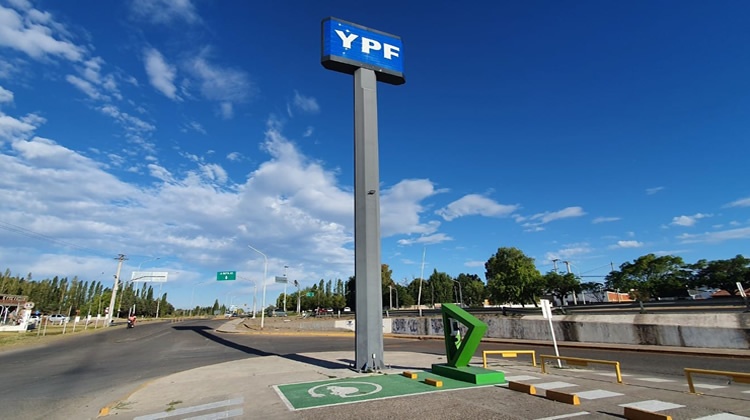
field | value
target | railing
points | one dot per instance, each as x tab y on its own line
509	353
582	362
743	378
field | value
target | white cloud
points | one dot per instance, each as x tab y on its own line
308	132
605	219
475	204
627	244
160	73
426	240
688	220
474	263
570	251
714	237
306	104
36	34
400	208
533	222
743	202
6	96
225	86
654	190
234	156
86	87
12	128
165	11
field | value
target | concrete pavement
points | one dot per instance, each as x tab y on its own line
249	389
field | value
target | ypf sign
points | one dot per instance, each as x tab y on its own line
348	46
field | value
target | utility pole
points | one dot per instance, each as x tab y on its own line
567	267
554	263
299	308
120	258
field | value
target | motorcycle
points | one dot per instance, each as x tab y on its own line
131	323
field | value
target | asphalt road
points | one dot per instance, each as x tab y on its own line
83	373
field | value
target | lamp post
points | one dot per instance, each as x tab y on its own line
192	296
265	275
460	293
296	283
139	269
285	283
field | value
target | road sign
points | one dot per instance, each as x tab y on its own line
226	275
310	294
281	279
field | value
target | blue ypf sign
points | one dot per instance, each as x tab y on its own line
347	46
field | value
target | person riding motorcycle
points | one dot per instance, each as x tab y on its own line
131	321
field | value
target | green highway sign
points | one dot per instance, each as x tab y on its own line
310	294
226	275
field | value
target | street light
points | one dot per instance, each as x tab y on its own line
192	296
139	269
460	292
265	275
285	283
390	295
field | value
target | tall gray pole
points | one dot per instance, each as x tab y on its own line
369	311
120	258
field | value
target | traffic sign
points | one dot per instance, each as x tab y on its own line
226	275
310	294
281	279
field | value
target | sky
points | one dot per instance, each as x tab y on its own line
181	133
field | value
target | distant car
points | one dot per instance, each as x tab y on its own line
347	309
34	319
57	319
278	312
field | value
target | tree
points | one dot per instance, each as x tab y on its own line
512	277
441	288
595	290
473	288
561	285
651	276
724	274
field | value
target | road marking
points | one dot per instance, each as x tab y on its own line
521	378
652	405
597	394
565	416
658	380
723	416
221	415
193	409
707	386
554	385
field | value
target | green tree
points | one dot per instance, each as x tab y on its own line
441	288
512	277
561	285
474	290
724	274
650	276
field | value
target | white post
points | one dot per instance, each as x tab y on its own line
421	279
265	275
547	313
113	298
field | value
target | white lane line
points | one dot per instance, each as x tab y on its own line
652	405
216	416
597	394
565	416
193	409
723	416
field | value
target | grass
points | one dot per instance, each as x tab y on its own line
15	339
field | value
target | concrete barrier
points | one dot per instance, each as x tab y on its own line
719	330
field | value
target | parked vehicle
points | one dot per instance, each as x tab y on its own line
57	319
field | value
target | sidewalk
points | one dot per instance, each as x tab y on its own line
248	389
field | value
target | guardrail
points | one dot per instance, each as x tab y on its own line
743	378
508	353
582	362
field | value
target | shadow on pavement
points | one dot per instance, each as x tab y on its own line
206	332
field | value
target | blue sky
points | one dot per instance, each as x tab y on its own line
592	132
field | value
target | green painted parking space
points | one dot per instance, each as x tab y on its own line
363	388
